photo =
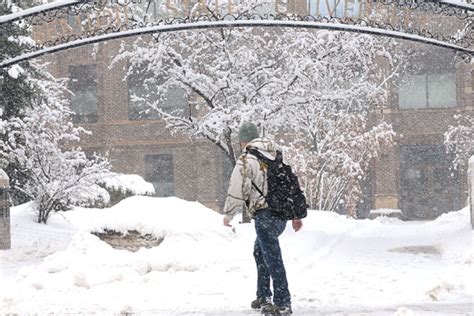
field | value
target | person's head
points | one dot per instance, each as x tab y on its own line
247	132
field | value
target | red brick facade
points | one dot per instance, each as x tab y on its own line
198	167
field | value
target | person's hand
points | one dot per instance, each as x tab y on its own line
297	224
226	222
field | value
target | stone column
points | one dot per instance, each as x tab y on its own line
5	236
470	180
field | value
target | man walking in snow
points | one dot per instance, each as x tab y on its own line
248	181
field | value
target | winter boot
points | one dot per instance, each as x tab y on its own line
261	302
276	310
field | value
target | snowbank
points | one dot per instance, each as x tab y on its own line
334	264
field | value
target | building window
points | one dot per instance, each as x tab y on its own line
428	91
143	92
159	171
84	99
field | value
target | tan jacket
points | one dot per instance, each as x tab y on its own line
246	170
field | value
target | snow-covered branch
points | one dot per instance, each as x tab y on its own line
42	146
459	140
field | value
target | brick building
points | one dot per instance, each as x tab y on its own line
414	176
177	166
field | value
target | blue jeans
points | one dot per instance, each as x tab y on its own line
268	257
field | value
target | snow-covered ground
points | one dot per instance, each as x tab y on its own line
335	265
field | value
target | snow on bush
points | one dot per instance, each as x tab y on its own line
42	146
131	183
459	139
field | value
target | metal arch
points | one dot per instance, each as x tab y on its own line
467	54
39	10
49	13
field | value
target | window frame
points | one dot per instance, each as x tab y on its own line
163	180
79	86
426	89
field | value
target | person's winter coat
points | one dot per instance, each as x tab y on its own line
247	170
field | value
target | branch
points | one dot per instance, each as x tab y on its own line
258	89
220	90
394	72
188	84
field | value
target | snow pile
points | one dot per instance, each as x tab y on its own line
386	211
456	246
129	182
334	265
35	241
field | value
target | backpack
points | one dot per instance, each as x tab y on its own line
284	196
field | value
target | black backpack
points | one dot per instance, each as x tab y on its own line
284	196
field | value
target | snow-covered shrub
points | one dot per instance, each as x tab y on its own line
120	186
43	146
17	92
459	140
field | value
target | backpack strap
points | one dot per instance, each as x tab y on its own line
255	153
259	157
259	191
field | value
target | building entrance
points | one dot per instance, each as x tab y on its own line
428	185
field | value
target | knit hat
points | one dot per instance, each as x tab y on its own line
248	132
